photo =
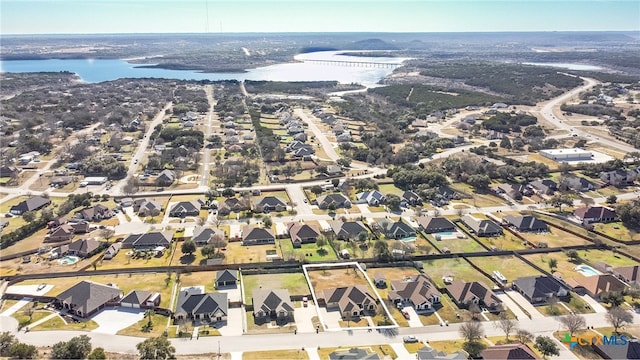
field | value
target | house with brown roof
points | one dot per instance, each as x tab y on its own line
147	208
628	274
272	305
596	285
87	297
94	213
61	233
595	214
509	352
466	293
416	291
351	301
233	205
83	248
302	233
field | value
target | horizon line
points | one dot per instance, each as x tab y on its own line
325	32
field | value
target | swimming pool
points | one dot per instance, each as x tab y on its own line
68	260
445	233
409	239
586	270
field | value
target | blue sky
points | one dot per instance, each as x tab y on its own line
169	16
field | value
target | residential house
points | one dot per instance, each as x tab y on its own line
126	202
380	280
344	137
578	184
334	170
97	212
628	274
8	171
434	224
302	233
304	153
166	177
545	186
514	191
149	240
142	207
513	351
31	204
630	350
300	137
595	214
87	297
272	305
60	181
335	199
83	248
350	301
63	232
233	205
226	278
112	251
411	198
482	227
202	307
203	236
429	353
416	291
538	289
353	354
185	208
395	229
466	293
268	204
60	220
253	235
596	285
141	299
347	230
372	198
618	177
526	223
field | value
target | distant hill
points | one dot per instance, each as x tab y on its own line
370	44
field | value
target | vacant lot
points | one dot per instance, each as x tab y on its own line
201	278
458	268
238	253
381	350
510	266
606	256
564	267
307	252
458	245
617	230
294	282
555	238
506	241
391	274
125	259
328	279
275	354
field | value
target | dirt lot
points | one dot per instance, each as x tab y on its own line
327	279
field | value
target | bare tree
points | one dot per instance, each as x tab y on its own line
619	317
471	331
524	336
573	323
475	310
218	242
506	325
107	233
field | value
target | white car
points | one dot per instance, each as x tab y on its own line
410	339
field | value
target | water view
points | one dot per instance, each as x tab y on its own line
354	69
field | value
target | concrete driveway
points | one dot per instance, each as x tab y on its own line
330	319
525	304
594	304
508	302
17	306
303	317
110	321
234	323
414	318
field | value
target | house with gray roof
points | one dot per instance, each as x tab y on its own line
201	307
577	183
112	251
395	229
545	186
87	297
269	203
31	204
526	223
272	305
351	301
416	291
143	207
429	353
203	236
302	233
226	278
166	177
233	204
482	227
253	235
141	299
435	224
185	208
630	350
83	248
539	289
466	293
97	212
336	199
148	241
372	198
347	230
515	351
411	198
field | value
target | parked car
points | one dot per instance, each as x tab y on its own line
410	339
406	315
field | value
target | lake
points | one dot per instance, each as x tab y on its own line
306	69
567	66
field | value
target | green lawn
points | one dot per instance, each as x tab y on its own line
555	238
307	252
381	350
159	326
618	231
606	256
506	241
294	282
458	245
275	354
390	189
57	323
510	266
